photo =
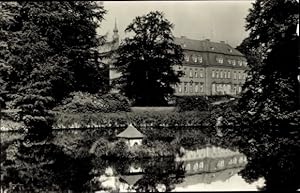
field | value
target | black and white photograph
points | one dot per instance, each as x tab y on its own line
149	96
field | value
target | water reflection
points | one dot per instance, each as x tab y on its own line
203	169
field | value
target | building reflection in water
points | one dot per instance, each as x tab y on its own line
206	165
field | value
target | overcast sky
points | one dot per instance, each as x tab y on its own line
215	20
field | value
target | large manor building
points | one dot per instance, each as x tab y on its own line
210	68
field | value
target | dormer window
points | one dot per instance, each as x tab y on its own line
229	61
186	57
220	60
200	59
230	50
212	48
240	63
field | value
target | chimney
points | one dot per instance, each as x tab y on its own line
184	37
223	42
207	40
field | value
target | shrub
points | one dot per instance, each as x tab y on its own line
192	103
79	102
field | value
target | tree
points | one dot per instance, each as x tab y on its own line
57	38
49	50
146	60
264	122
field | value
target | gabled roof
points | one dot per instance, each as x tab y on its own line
131	133
206	46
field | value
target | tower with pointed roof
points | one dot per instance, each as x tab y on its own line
115	37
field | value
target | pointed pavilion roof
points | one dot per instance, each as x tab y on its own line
131	133
131	179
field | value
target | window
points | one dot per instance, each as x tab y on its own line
201	87
245	75
220	60
186	57
221	74
195	168
188	167
225	74
240	76
201	165
228	74
213	88
220	164
201	73
240	89
233	62
234	75
179	88
191	87
213	74
200	59
191	72
234	89
229	61
240	63
217	74
196	87
245	63
194	58
241	160
185	87
234	161
184	72
196	74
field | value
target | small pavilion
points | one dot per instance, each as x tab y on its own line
132	136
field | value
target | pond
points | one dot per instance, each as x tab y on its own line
206	169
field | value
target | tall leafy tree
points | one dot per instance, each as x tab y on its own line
56	37
264	122
146	60
48	50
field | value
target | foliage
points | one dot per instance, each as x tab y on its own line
80	102
192	103
147	60
264	122
52	42
48	50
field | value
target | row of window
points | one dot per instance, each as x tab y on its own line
196	59
226	88
227	74
199	59
194	74
220	164
195	87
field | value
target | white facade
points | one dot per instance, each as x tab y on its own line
134	142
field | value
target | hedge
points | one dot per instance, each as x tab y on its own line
121	119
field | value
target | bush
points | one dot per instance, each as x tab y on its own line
80	102
192	103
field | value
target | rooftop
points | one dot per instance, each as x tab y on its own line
207	46
131	133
